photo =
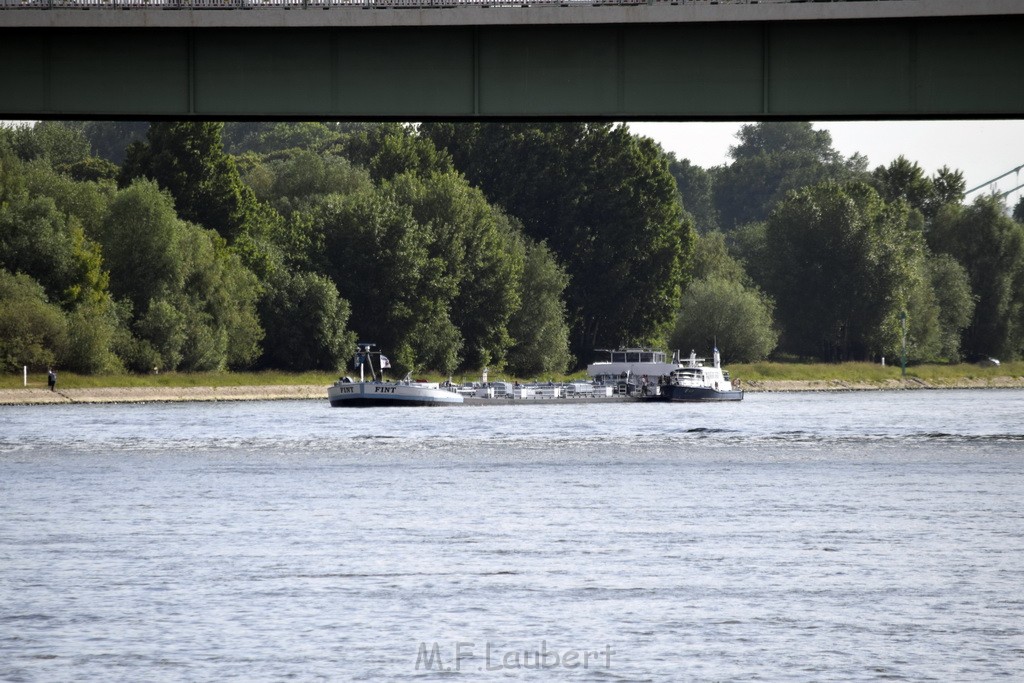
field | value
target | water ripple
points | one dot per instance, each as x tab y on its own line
822	537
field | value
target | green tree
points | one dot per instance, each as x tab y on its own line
41	234
36	239
378	255
723	304
904	179
724	313
990	247
92	169
840	263
84	202
140	239
955	303
242	137
306	323
162	331
32	331
268	137
293	183
606	205
206	344
53	142
42	238
696	192
192	299
92	332
12	183
480	258
304	175
711	258
539	326
390	149
306	135
188	160
634	242
221	294
949	188
109	140
748	244
771	159
922	309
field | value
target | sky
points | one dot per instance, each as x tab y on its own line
981	149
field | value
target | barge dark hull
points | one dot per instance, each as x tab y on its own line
698	394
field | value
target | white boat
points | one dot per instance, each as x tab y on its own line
401	393
377	392
693	381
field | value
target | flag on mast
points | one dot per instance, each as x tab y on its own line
384	362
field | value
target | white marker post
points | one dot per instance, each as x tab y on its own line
25	378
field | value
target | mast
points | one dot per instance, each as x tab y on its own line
364	355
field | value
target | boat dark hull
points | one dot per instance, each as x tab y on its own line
698	394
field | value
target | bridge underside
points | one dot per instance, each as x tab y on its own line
912	68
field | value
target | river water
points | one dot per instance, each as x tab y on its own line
847	536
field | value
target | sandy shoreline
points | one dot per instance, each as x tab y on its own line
911	383
41	396
37	396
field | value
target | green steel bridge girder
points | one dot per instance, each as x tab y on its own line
902	68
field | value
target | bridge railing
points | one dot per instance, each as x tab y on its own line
366	4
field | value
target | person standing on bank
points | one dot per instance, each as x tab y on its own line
51	379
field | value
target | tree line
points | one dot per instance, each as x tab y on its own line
198	246
834	261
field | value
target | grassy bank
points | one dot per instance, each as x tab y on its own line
844	372
869	372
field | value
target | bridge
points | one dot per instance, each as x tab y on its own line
504	59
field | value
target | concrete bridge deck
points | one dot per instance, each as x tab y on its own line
486	59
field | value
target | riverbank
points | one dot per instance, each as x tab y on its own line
41	396
305	392
910	383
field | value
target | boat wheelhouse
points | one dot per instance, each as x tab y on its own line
626	368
